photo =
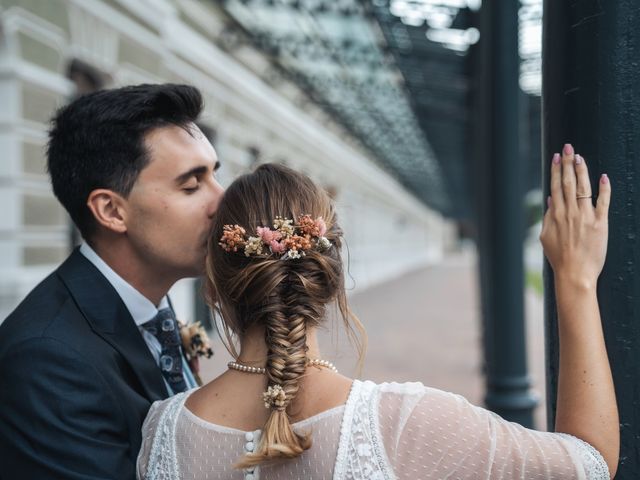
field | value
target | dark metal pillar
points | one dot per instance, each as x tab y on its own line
591	98
201	311
501	216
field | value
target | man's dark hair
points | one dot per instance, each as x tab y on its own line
97	141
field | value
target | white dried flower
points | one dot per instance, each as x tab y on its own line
284	226
323	244
274	397
292	255
253	246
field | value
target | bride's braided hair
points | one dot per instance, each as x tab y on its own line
284	296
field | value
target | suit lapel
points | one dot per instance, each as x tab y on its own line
109	318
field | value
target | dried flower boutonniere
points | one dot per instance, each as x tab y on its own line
195	343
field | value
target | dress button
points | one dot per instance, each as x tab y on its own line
248	436
249	446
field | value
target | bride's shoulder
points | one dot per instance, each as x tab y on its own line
160	407
409	405
387	396
413	389
395	389
391	398
400	388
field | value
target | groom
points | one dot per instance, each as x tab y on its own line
88	350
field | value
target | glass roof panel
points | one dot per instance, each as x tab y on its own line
337	52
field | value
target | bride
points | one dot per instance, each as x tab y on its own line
281	411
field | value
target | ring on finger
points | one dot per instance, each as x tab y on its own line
578	197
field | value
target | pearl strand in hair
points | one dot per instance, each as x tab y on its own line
312	362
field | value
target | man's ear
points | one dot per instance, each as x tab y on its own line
108	209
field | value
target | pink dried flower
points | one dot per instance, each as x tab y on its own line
267	235
321	226
276	247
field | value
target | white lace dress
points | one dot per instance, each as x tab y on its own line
384	431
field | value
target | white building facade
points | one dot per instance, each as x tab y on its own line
256	114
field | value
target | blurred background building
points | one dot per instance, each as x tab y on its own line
374	100
53	50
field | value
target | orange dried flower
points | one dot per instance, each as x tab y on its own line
233	238
298	242
308	226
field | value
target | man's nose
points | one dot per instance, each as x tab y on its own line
216	195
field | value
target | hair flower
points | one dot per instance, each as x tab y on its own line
286	240
274	397
298	242
253	246
314	228
267	235
284	226
276	247
321	226
232	238
323	244
292	255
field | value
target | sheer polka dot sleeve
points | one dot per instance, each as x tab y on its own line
436	435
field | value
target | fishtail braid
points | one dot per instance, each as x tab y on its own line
285	319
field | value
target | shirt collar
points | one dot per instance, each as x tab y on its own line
140	307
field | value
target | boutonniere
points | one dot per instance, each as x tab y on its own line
195	343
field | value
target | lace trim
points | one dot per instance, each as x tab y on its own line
372	404
360	450
345	432
163	461
595	468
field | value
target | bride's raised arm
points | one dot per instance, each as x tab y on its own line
433	434
574	236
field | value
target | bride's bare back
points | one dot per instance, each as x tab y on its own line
234	399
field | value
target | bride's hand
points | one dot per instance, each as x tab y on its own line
574	232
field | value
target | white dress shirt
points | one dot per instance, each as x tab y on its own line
140	307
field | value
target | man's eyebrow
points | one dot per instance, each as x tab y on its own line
194	172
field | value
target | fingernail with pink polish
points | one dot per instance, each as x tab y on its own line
604	178
578	159
568	149
556	158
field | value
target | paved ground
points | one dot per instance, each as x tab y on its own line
424	326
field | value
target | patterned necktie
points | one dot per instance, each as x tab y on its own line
165	328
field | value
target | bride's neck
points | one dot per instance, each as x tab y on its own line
253	348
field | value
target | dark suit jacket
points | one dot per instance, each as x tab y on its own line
76	380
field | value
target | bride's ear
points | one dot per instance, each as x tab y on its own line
108	209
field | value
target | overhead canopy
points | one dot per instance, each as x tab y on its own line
395	73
